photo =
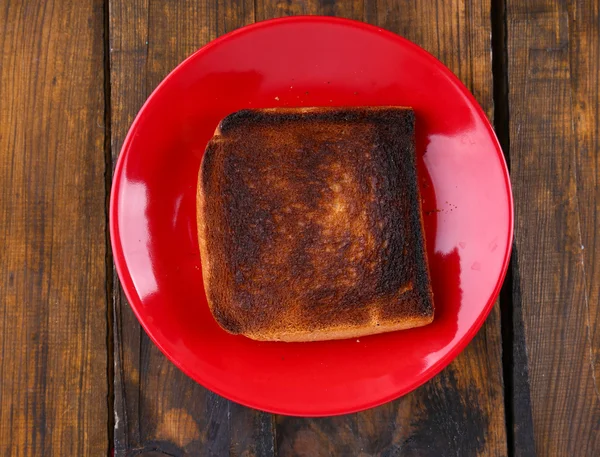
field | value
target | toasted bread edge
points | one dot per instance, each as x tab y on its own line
340	333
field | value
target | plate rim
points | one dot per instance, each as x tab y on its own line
127	282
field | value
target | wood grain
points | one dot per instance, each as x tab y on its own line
158	409
554	58
53	304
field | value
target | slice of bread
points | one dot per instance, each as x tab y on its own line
310	224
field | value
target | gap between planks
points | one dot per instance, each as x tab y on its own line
501	127
517	401
108	172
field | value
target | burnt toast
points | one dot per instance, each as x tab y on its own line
310	224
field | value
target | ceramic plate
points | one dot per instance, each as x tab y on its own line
309	61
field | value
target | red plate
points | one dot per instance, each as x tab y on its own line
309	61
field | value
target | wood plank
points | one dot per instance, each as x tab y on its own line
53	303
158	410
268	9
554	67
461	411
519	423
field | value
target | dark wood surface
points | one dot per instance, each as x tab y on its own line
53	303
78	376
554	77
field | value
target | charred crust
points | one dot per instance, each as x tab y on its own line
402	119
271	179
208	162
226	321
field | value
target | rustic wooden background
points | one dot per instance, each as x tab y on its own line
78	376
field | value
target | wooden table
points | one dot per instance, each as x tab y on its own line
78	377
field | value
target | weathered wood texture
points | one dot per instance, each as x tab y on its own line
53	304
554	76
461	412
